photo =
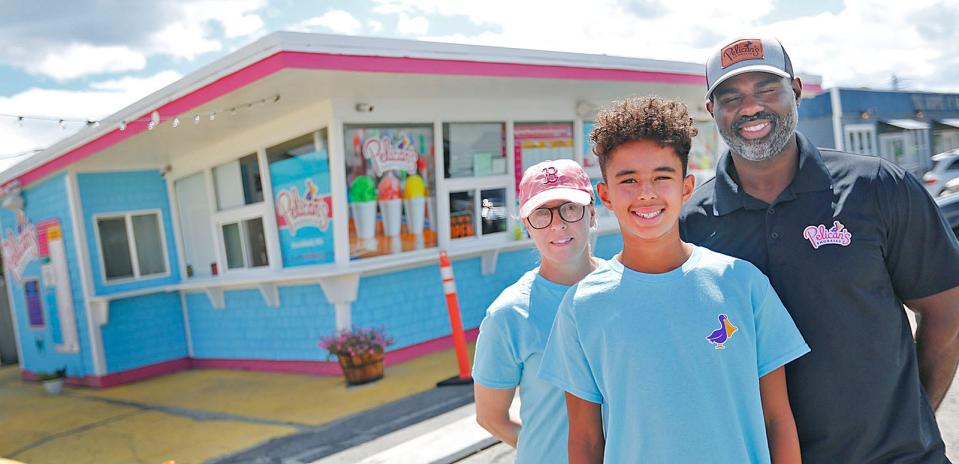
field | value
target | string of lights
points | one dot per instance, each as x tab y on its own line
152	122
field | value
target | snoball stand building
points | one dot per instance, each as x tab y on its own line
303	184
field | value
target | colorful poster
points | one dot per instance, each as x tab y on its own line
20	248
31	294
589	158
304	208
538	142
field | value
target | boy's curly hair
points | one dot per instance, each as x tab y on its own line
661	120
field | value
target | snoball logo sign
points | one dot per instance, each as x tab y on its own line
304	208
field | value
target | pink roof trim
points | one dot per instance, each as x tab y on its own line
305	60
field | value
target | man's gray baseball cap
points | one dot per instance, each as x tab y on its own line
746	55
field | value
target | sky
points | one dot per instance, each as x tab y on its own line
84	60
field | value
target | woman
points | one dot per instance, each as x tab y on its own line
556	205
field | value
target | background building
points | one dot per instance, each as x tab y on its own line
904	127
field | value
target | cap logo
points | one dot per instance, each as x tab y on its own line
550	175
742	50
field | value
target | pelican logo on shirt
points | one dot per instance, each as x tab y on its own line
818	236
721	336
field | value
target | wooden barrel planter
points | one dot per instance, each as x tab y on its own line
360	369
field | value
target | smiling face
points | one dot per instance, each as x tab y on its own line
645	189
756	113
562	243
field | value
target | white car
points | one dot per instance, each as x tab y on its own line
944	169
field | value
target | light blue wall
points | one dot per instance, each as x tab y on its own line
409	304
249	329
120	192
144	330
48	200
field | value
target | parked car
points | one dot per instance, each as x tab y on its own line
949	204
951	187
945	168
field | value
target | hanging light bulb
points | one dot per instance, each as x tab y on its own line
196	119
151	125
212	115
62	124
96	124
19	121
276	98
233	111
155	118
123	126
176	122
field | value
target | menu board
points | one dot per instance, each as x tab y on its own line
538	142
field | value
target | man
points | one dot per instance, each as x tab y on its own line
845	240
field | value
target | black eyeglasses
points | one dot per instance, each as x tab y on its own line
569	212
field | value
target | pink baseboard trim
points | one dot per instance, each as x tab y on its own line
330	368
324	368
421	349
120	378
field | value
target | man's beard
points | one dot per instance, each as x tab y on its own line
768	146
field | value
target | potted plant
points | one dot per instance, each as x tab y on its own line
53	381
360	353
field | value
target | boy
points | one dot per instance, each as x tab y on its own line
684	346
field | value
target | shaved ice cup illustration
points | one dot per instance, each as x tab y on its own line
388	195
414	194
363	207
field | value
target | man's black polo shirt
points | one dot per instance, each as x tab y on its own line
848	240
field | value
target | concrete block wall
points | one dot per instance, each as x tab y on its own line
121	192
48	200
143	331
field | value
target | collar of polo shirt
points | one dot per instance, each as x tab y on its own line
812	176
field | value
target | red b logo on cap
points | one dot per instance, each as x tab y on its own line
551	177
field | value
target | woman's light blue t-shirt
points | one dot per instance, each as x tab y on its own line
508	354
675	358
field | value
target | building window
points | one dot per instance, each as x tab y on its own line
132	246
391	180
860	138
477	213
238	183
300	176
193	208
244	244
474	149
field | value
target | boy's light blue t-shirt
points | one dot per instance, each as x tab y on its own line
508	354
680	384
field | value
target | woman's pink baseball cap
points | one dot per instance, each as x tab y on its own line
553	180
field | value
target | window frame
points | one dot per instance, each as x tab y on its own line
127	217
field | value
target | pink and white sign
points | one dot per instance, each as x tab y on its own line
387	156
294	211
20	249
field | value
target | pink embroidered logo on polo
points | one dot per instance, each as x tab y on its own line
818	236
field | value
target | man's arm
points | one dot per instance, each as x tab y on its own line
586	440
937	341
492	412
780	425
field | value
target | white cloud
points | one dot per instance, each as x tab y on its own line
78	60
338	21
412	25
862	45
190	35
101	100
374	26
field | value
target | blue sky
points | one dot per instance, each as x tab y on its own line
86	60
